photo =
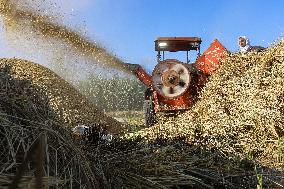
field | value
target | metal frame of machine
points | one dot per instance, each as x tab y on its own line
174	85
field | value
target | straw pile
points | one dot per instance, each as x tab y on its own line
240	111
36	148
69	106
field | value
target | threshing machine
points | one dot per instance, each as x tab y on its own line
174	85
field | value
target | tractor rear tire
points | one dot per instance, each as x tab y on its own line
149	113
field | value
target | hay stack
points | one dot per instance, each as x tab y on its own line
64	100
36	148
240	111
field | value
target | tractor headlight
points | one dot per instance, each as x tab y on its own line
162	44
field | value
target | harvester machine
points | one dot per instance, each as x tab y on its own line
174	85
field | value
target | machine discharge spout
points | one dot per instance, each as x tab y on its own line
140	73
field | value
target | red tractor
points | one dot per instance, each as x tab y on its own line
174	85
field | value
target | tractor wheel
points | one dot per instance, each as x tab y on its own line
150	116
149	112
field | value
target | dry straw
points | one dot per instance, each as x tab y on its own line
36	147
240	110
70	106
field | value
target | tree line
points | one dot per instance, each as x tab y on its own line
115	93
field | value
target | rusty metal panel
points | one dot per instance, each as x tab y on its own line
209	61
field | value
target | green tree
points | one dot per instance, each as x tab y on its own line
114	94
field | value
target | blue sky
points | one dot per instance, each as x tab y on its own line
128	28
